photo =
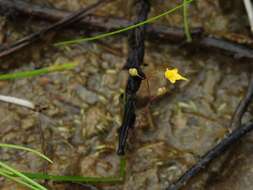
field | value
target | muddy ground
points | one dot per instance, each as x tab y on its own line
78	129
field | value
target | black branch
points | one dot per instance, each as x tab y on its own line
211	155
238	132
155	32
242	106
136	49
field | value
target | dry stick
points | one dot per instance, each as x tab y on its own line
155	32
136	51
212	154
236	123
242	106
227	142
65	21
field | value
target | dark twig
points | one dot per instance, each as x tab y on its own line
161	33
135	60
225	144
225	46
91	21
65	21
242	106
212	154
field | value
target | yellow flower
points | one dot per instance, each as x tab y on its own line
172	75
133	72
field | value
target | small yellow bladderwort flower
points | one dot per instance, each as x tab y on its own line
172	75
133	72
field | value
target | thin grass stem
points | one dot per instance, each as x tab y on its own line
24	177
33	73
3	173
100	36
84	179
186	23
2	145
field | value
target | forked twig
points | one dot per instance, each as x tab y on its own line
211	155
237	133
242	106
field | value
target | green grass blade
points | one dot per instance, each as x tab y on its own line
122	170
8	176
186	23
26	149
150	20
22	176
26	74
84	179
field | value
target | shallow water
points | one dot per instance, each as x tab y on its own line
84	110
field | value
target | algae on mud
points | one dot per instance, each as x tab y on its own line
186	123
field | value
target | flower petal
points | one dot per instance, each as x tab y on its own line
172	75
